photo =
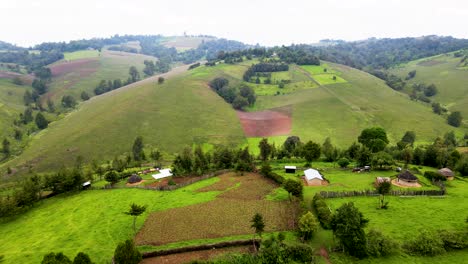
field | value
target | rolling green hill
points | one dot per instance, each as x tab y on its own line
446	73
185	111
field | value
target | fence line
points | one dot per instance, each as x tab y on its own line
339	194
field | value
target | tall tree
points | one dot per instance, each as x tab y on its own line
455	119
374	138
258	225
294	188
383	188
307	226
127	253
348	226
311	151
134	74
265	149
135	211
6	147
41	121
137	149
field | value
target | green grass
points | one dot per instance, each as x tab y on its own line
327	78
81	54
91	221
252	143
446	74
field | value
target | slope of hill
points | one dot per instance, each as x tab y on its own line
185	111
446	72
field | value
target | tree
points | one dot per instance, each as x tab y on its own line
307	226
430	90
137	149
200	161
450	140
58	258
311	151
84	96
6	147
293	188
248	93
134	74
265	149
149	67
383	188
27	98
41	121
155	155
50	105
348	227
407	155
381	159
127	253
112	177
258	225
343	162
160	80
408	139
291	143
455	119
27	115
240	102
82	258
39	86
330	152
462	165
374	138
135	211
68	101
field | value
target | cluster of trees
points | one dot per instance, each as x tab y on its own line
60	258
106	86
160	66
239	98
198	162
32	189
123	48
31	61
263	67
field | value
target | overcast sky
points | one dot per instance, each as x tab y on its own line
29	22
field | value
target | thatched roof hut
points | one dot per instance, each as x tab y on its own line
407	176
448	173
134	179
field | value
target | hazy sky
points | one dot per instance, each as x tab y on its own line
28	22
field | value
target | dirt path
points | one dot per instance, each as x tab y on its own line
324	254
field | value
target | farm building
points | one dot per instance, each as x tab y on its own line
406	178
313	178
448	173
379	180
290	169
164	173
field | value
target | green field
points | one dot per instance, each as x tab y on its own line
91	221
81	54
445	73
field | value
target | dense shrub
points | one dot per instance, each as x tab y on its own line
434	176
454	239
127	253
343	162
379	245
425	244
324	214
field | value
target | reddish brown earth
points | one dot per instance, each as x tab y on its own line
274	122
83	67
27	79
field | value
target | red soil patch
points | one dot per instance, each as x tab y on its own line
83	67
275	122
196	255
26	79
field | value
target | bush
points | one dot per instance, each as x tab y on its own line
379	245
82	258
434	176
299	253
127	253
343	162
426	244
58	258
454	239
307	226
324	214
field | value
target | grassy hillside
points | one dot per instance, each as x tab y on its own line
445	72
178	113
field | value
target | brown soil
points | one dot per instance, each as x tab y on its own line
26	79
83	67
195	255
394	182
136	183
324	254
274	122
177	180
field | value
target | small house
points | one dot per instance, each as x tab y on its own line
134	179
290	169
86	185
408	179
447	173
313	177
164	173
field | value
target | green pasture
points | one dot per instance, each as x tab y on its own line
80	54
327	78
91	221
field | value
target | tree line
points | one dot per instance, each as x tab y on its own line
239	97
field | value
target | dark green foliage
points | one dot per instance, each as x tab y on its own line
149	68
193	66
330	152
311	151
427	243
455	119
364	156
41	121
137	149
265	149
239	98
258	224
58	258
383	189
379	245
382	160
200	161
454	239
112	176
292	143
395	82
437	108
183	163
294	188
462	165
353	150
240	102
134	74
50	105
348	227
343	162
84	96
68	101
27	98
160	80
408	139
43	73
323	212
411	75
307	226
29	192
135	211
430	90
218	83
39	86
17	81
248	93
263	67
127	253
374	138
434	176
82	258
64	180
6	147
